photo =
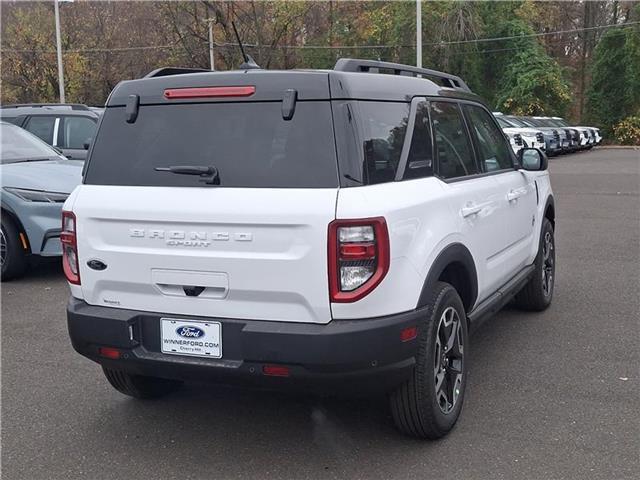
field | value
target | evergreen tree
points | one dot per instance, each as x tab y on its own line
613	86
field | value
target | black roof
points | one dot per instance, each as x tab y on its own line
351	79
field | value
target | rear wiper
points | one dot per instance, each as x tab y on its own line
349	177
209	175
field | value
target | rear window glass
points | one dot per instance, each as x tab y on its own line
249	144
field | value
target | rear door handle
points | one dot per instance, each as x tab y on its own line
515	194
470	209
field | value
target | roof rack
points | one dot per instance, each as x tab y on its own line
165	71
374	66
74	106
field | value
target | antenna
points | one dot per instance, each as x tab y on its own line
248	63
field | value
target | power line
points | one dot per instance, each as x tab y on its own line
92	50
332	47
532	35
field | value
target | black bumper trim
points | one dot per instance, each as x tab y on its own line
343	351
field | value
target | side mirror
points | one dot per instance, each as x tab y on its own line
87	143
532	159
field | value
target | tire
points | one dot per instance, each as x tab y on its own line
139	386
419	409
537	294
13	259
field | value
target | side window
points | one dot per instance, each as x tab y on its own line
383	129
42	127
493	150
455	155
420	161
76	131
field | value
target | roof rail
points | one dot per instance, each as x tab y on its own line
74	106
164	71
375	66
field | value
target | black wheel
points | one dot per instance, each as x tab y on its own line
537	294
429	403
139	386
12	255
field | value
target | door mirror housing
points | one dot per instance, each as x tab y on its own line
87	143
532	159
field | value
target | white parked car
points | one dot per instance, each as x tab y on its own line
594	137
520	137
318	229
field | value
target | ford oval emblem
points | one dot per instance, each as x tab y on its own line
188	331
96	264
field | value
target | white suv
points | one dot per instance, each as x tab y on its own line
317	229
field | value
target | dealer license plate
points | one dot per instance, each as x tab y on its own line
187	337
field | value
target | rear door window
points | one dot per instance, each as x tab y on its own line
250	145
455	154
76	131
43	127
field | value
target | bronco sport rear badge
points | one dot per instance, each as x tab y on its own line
194	238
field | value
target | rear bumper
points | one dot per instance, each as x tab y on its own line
345	354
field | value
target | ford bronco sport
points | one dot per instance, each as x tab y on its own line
314	228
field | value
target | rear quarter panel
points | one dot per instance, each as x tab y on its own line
420	224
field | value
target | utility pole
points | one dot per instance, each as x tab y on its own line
59	50
211	22
419	33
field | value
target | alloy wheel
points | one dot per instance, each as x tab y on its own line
3	247
449	360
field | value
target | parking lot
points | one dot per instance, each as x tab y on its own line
551	396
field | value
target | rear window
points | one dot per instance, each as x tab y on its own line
249	144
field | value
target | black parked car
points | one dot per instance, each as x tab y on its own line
68	127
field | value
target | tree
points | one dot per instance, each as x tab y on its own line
615	86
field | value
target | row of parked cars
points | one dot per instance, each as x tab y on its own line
553	135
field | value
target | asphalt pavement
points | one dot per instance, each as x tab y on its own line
551	395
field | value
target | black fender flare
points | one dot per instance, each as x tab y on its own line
550	204
453	253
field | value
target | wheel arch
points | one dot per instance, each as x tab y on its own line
454	265
550	211
8	213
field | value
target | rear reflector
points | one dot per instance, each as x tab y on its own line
275	370
108	352
204	92
357	251
408	333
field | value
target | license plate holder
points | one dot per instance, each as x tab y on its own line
191	338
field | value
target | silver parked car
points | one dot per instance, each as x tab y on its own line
69	127
36	180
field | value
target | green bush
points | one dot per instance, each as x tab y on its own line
627	131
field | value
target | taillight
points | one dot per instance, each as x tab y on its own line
70	248
358	257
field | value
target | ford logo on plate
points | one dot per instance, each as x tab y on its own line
190	332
